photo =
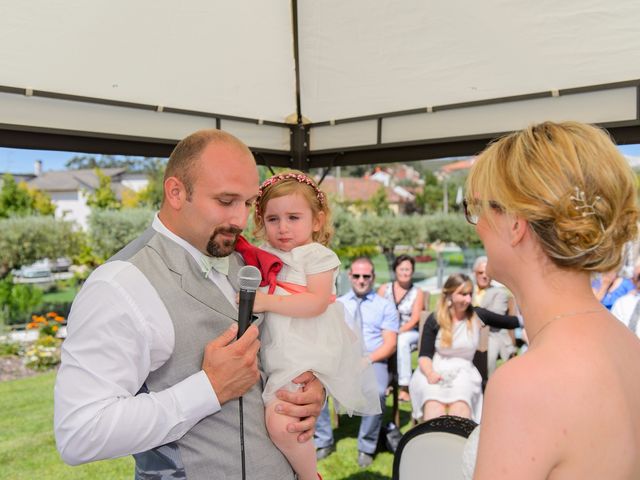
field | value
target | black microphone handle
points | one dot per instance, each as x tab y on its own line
245	310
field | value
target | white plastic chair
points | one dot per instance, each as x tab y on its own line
433	450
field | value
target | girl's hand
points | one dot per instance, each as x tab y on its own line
433	377
261	303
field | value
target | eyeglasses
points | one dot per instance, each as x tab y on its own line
472	217
357	276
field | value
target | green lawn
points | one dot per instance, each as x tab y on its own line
27	448
343	463
62	295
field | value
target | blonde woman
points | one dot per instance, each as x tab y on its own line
552	204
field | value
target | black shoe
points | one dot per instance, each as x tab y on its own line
324	452
364	459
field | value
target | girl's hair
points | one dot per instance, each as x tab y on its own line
404	258
570	183
443	312
294	182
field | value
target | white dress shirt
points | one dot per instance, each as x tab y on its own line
118	332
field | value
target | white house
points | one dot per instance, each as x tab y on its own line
70	189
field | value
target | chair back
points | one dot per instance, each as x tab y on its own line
433	450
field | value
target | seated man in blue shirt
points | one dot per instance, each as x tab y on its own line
377	319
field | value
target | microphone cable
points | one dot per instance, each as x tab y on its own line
242	459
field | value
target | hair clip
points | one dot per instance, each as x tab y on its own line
581	204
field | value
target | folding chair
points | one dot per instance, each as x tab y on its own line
433	450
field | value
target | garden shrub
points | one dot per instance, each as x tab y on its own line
8	348
27	239
17	300
111	230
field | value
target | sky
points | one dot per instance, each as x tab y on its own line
17	160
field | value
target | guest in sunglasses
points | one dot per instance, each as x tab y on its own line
377	320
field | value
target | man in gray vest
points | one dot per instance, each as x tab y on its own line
150	366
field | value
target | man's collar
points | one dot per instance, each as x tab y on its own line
353	295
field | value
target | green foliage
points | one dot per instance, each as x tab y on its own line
153	194
103	197
17	300
132	164
86	256
387	232
40	201
379	203
430	198
110	230
19	200
27	239
14	199
347	254
8	348
451	228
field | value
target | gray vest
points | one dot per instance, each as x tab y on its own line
200	312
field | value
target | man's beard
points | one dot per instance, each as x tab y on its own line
222	248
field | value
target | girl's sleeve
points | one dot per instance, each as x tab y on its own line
316	258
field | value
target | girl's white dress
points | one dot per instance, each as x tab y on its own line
324	344
460	378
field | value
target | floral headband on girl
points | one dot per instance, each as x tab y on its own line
299	177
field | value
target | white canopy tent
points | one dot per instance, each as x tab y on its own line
313	83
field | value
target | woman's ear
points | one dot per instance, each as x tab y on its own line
518	228
174	192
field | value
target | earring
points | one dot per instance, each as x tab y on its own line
449	303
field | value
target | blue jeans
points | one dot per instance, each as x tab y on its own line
370	426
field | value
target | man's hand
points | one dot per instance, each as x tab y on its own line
304	404
232	367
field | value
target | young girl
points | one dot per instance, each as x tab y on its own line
305	328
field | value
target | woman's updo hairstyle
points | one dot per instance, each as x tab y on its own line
571	184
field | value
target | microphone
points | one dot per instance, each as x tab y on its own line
249	278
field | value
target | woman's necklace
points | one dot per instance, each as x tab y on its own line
563	315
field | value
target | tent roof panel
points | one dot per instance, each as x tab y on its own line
234	58
387	56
